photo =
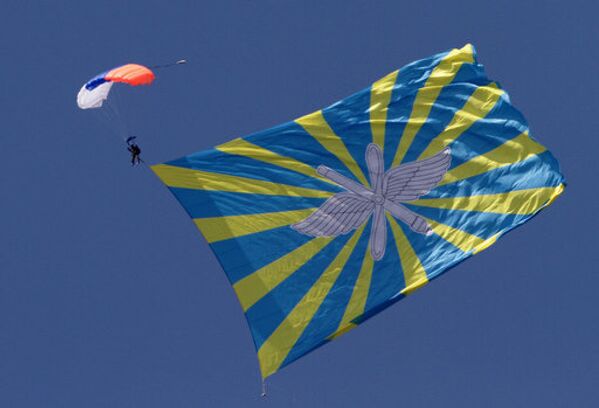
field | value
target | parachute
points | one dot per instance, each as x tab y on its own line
95	91
97	95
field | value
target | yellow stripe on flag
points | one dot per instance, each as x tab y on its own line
442	75
357	302
413	271
521	202
255	286
478	105
316	125
244	148
380	95
511	152
233	226
275	349
461	239
180	177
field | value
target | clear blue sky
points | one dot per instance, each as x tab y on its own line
109	297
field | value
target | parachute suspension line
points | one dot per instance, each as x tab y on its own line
114	118
263	394
116	98
108	119
116	107
180	62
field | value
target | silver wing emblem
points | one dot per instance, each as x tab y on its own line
348	210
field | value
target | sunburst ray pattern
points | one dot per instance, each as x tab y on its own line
324	221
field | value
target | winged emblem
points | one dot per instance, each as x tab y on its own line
348	210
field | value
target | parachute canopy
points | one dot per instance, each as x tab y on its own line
95	91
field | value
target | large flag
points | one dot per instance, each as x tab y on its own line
322	222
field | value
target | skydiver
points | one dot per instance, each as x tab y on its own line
135	151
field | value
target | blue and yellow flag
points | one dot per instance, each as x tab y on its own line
322	222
